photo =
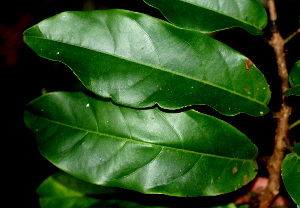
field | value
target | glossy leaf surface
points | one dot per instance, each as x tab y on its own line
291	173
209	16
150	151
65	191
138	61
294	81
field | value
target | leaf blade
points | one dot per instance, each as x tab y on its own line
65	191
149	151
294	79
214	15
291	173
139	61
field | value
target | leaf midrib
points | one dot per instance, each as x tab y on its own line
157	68
140	142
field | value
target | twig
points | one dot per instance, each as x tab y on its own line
292	36
282	130
294	124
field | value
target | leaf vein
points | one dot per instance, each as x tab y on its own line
172	127
141	142
161	69
222	13
144	165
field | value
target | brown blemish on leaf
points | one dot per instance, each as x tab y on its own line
234	170
246	89
249	63
245	179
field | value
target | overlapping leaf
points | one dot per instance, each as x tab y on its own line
209	16
150	151
139	61
294	81
64	191
291	173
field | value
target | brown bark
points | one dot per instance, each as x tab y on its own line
282	130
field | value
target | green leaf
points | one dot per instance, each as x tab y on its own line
230	205
291	173
139	61
65	191
209	16
148	150
294	80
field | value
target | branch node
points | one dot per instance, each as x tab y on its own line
274	27
282	130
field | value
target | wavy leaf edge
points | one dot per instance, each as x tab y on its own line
166	149
205	82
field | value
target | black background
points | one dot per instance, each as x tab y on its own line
24	75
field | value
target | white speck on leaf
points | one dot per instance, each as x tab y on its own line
57	53
87	105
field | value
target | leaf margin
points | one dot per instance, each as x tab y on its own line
254	29
263	104
251	176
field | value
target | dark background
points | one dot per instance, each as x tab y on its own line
24	76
